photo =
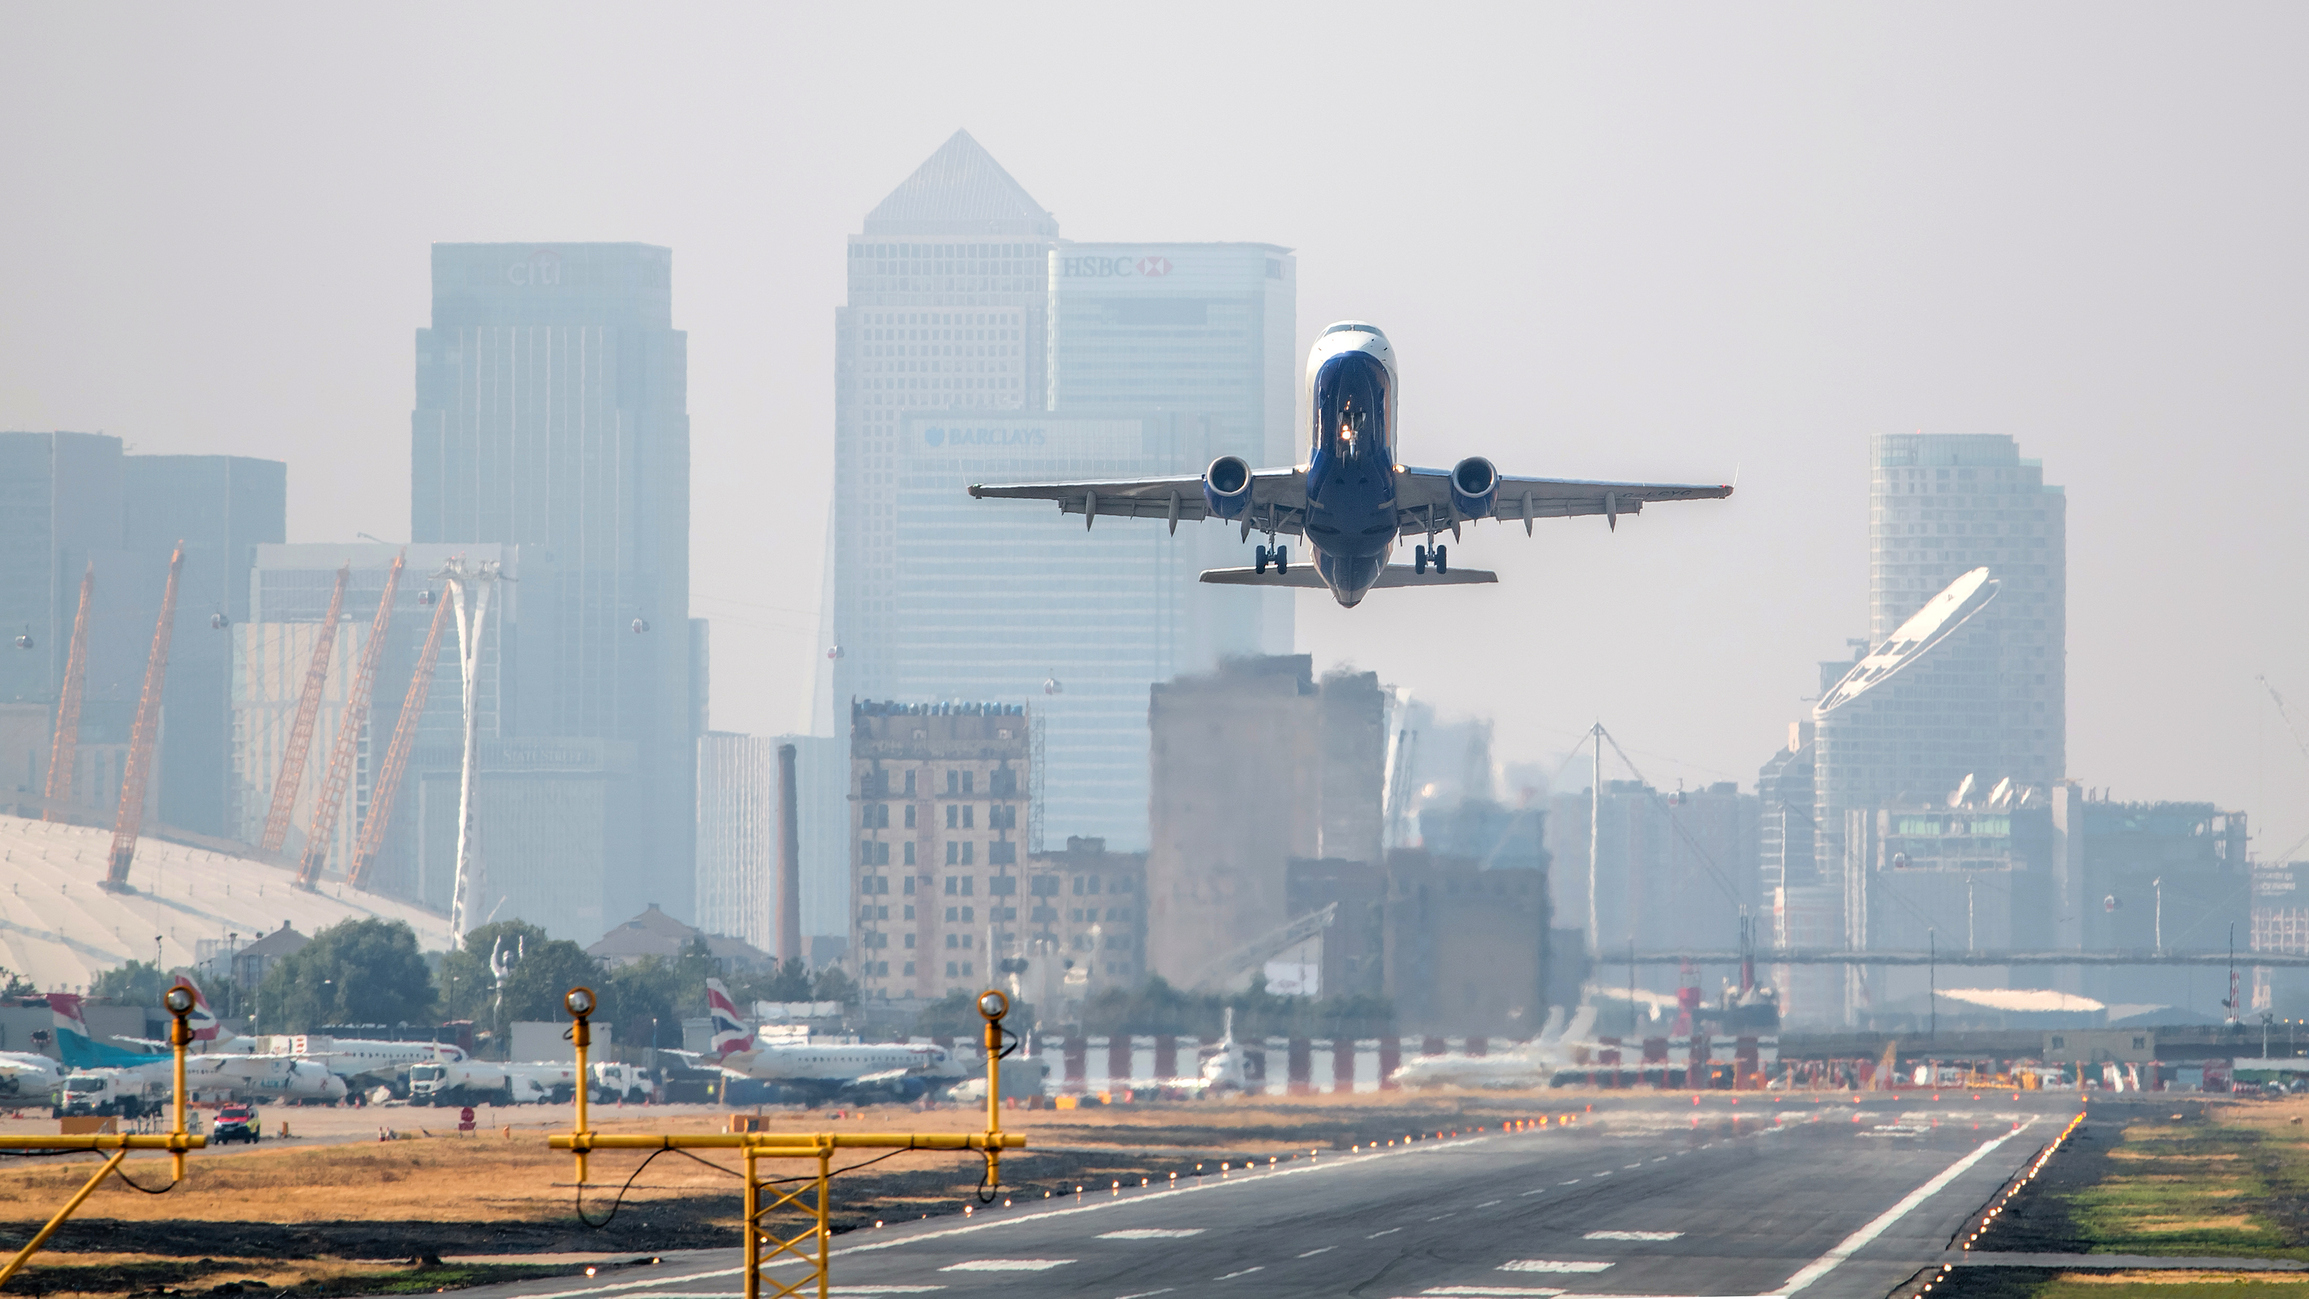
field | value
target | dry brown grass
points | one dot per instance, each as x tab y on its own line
510	1174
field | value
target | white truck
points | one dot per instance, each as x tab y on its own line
122	1092
622	1082
484	1082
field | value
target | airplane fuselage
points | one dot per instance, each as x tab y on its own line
1351	462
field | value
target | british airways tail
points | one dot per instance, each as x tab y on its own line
202	1020
77	1047
730	1035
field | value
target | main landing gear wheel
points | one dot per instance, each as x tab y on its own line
1419	559
1282	560
1439	565
1259	559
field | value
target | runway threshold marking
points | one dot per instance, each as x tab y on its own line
1632	1235
1151	1233
1006	1265
1553	1265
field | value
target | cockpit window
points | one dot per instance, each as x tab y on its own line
1351	400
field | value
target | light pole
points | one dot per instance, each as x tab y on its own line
1932	981
2159	885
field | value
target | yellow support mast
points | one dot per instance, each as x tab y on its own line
176	1141
813	1199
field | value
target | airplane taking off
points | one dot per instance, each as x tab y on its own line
1352	500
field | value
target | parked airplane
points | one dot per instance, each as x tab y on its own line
899	1070
28	1079
346	1057
249	1076
1533	1064
1352	500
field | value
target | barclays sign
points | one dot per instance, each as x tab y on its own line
983	436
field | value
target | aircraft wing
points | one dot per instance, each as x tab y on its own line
1278	498
1423	499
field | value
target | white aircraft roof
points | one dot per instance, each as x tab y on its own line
1927	627
59	929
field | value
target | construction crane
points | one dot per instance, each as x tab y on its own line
388	782
64	747
142	738
347	748
2287	716
292	775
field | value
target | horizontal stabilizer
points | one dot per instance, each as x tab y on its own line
1304	575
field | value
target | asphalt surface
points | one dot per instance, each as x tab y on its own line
1646	1196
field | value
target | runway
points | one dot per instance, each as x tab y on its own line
1646	1196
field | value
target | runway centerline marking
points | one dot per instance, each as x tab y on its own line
1553	1265
1006	1265
1150	1294
1377	1234
1313	1252
1245	1272
1488	1203
1631	1235
1151	1233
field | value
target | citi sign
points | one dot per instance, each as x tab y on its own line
1109	268
983	437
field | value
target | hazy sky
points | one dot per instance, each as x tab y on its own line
1614	240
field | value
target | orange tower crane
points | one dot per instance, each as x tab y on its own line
292	775
142	738
388	781
346	750
64	747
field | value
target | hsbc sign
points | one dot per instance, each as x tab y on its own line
1114	268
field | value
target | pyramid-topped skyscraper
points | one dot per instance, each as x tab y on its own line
960	191
978	346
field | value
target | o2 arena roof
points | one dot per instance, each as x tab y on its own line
60	928
1927	627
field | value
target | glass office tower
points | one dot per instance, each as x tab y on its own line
979	347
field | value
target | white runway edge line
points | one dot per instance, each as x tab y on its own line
1858	1240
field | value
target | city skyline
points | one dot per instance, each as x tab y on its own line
1592	310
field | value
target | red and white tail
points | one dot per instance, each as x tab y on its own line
730	1033
65	1007
202	1019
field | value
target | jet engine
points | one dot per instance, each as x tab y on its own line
1474	484
1227	486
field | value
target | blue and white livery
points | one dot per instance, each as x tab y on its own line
1352	500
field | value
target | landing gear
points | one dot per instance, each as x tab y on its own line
1440	568
1282	560
1259	560
1279	556
1419	559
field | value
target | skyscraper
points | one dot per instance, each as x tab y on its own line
75	504
1989	700
1966	539
978	347
552	414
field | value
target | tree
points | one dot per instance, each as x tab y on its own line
138	983
357	972
541	972
13	984
648	999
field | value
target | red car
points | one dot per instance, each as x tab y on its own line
236	1123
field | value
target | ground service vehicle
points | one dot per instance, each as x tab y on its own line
117	1092
236	1123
